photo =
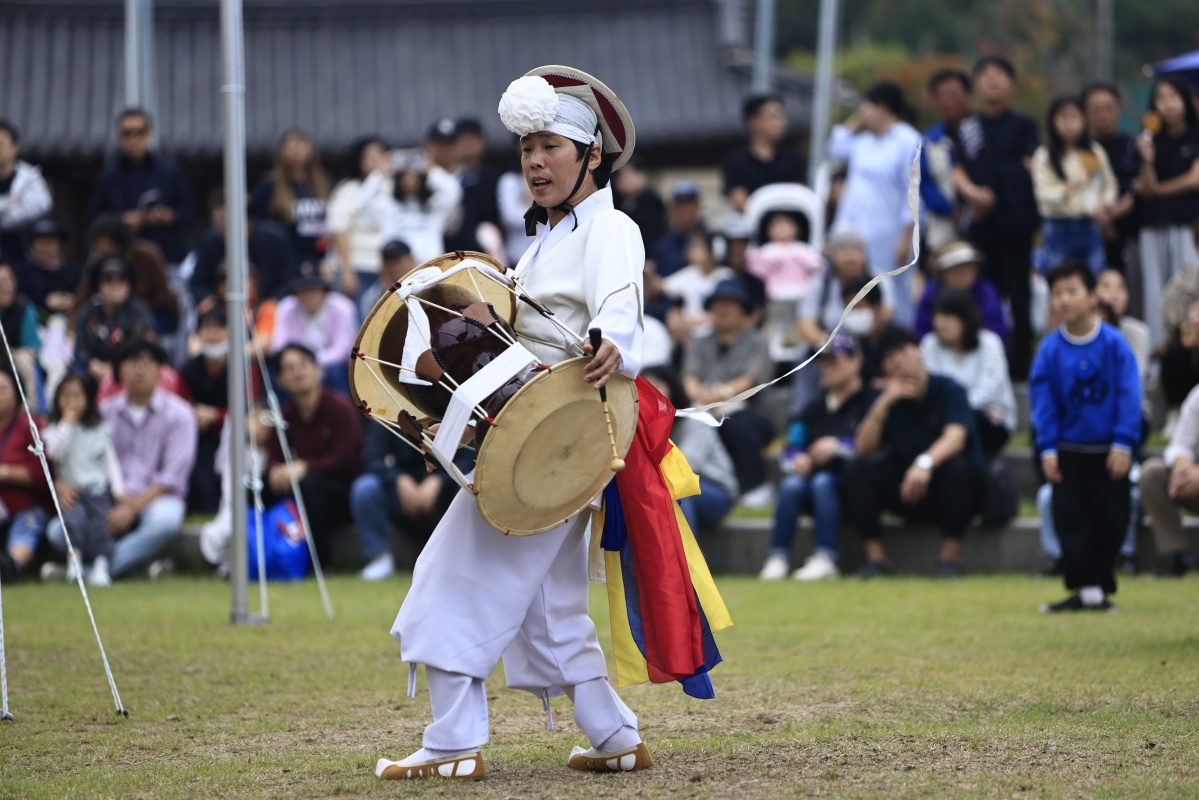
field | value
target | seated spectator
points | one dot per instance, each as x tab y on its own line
294	194
22	484
959	266
20	327
268	246
869	321
1112	292
959	348
206	379
109	236
87	476
820	443
700	444
1171	482
1180	360
691	286
787	264
396	489
49	280
821	307
323	322
918	456
110	319
725	363
686	216
396	261
154	438
324	431
24	196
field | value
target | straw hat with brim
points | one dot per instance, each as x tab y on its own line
955	254
615	122
306	282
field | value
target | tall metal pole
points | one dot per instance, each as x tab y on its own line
826	46
139	54
1104	44
763	46
236	258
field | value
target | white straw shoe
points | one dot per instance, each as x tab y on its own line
630	759
468	766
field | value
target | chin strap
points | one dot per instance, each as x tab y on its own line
536	214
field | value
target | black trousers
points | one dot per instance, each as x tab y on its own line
1091	512
745	434
1009	260
327	501
204	486
993	437
1180	373
871	486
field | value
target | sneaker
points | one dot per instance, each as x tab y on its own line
380	568
818	567
948	570
875	569
74	570
761	497
98	576
161	568
775	568
1183	563
1074	603
52	571
1129	566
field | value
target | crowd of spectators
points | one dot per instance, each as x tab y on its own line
907	409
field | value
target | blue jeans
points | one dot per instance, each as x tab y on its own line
374	506
1063	239
819	495
153	534
25	528
708	507
1051	547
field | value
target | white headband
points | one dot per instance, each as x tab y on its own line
531	105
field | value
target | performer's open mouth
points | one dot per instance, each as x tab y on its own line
540	184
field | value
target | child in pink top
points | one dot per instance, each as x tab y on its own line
786	265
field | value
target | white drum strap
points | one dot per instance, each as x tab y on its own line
472	393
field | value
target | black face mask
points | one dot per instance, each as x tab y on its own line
536	214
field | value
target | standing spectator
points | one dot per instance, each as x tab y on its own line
479	189
958	347
396	488
22	484
820	442
1112	291
355	235
1074	187
147	189
686	214
931	462
395	262
950	91
50	280
110	320
957	265
995	148
785	263
423	205
206	378
325	433
1103	104
80	444
879	148
725	363
1172	481
24	196
765	159
322	321
1169	190
294	193
20	327
821	308
692	285
1085	395
109	236
514	198
271	255
635	197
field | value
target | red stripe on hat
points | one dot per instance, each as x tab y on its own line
615	123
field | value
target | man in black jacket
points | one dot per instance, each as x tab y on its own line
147	189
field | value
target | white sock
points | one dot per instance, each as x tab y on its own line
1091	595
623	739
430	754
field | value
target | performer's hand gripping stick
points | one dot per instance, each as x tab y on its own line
617	463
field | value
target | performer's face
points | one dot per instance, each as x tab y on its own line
551	166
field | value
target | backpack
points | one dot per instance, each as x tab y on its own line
283	543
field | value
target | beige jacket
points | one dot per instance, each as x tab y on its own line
1083	192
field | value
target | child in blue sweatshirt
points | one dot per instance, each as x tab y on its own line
1085	393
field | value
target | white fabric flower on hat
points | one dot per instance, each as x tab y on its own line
529	105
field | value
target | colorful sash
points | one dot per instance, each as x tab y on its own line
663	602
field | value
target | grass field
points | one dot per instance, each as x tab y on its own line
903	688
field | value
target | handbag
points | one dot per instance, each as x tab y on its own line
284	545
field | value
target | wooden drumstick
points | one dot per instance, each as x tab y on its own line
617	463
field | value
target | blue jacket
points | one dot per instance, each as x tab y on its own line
1085	393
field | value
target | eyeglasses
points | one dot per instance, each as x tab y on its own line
134	133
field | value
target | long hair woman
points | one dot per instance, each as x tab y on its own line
294	194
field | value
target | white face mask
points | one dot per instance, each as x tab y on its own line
215	352
859	322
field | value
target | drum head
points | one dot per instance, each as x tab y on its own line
549	455
377	386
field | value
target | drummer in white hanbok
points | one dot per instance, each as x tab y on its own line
478	595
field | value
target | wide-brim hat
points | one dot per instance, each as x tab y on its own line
616	123
955	254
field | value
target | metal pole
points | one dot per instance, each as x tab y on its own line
1104	44
763	46
826	46
235	293
139	54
